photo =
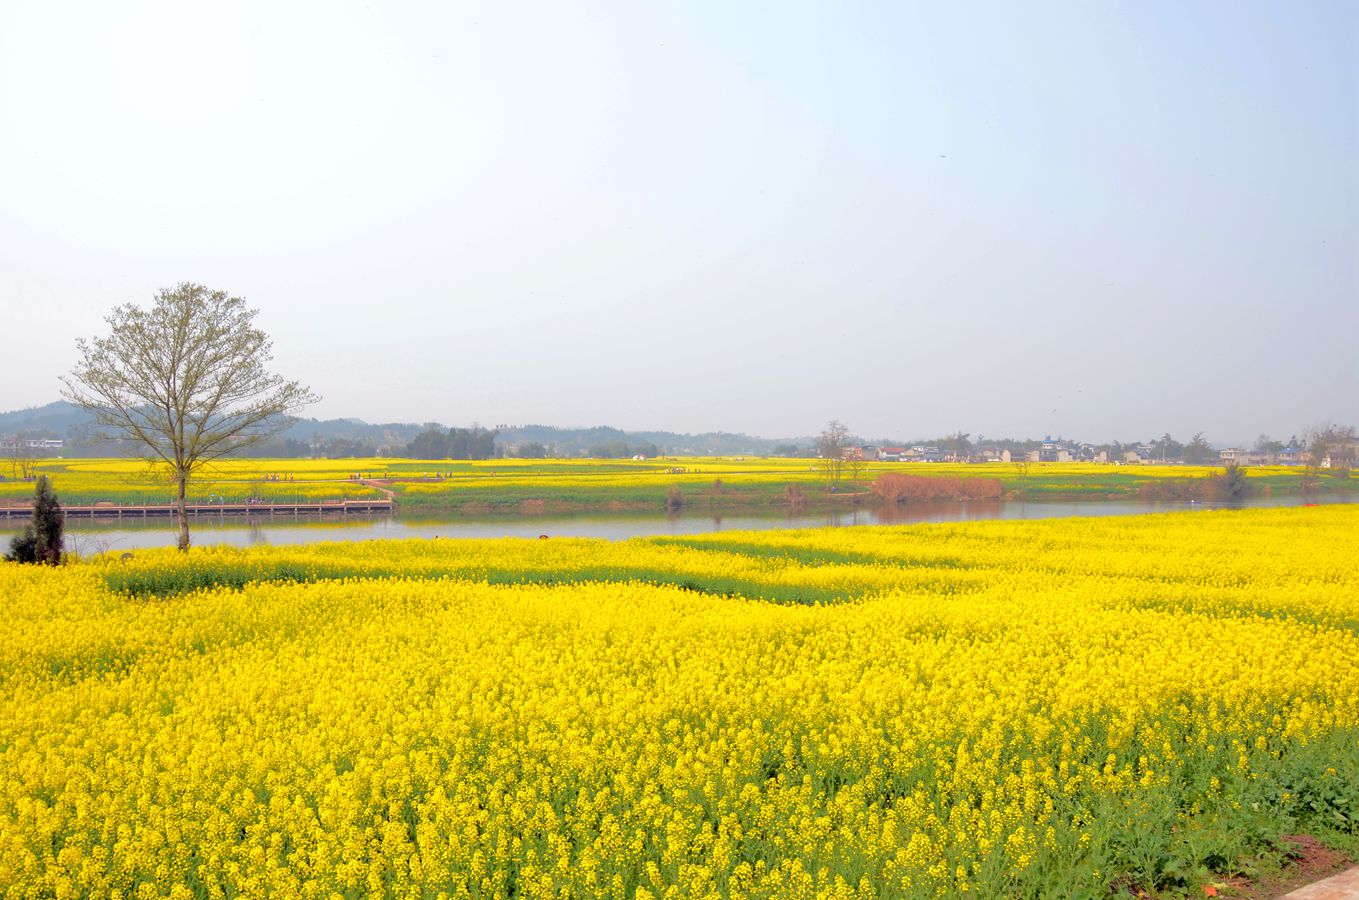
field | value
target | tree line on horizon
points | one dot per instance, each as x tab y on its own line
455	443
437	442
1317	441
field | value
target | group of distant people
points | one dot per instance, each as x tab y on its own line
221	499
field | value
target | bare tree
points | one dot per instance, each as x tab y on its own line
89	544
960	447
857	465
187	379
830	446
20	456
1333	447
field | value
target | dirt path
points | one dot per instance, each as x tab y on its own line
1313	872
1346	884
379	486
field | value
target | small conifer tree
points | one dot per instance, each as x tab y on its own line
1233	483
42	541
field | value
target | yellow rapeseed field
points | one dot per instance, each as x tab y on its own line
432	484
990	709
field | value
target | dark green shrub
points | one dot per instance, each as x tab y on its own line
1232	483
42	541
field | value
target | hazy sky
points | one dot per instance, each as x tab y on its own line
1095	219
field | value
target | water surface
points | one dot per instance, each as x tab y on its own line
93	536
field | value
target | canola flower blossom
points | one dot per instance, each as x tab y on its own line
988	709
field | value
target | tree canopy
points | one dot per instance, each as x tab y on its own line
186	378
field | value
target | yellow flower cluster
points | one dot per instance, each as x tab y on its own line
995	708
127	482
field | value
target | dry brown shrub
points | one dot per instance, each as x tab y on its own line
897	488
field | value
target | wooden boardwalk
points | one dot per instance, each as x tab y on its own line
200	510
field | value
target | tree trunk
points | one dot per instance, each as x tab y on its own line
182	514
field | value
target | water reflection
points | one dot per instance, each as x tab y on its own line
87	537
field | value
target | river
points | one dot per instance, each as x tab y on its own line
86	536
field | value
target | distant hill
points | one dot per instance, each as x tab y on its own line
69	422
56	418
575	441
354	436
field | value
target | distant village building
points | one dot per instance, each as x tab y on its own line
891	454
1341	455
1051	451
1087	452
16	443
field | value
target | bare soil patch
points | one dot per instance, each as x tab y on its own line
1309	860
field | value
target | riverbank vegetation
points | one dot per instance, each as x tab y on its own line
1068	707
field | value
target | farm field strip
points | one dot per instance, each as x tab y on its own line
432	483
997	708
